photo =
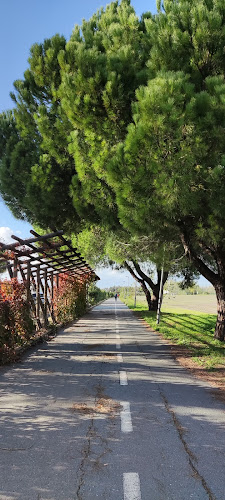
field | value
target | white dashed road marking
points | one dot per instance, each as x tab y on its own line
131	486
125	415
118	346
119	358
123	378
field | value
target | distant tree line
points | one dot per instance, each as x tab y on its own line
172	287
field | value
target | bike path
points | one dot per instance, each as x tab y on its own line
104	412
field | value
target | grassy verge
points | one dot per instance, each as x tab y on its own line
190	329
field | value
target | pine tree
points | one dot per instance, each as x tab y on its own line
172	159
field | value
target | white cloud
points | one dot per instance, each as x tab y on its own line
5	234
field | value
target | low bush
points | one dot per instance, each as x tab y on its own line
70	298
16	325
96	295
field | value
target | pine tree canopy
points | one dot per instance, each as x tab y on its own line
123	128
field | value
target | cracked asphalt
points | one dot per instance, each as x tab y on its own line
61	435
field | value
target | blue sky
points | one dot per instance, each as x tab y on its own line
23	23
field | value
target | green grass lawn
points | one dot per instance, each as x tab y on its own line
191	329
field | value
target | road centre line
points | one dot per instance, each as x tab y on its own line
118	346
123	378
119	358
131	486
125	416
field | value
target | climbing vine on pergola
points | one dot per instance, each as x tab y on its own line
38	262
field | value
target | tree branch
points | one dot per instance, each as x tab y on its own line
142	283
190	252
144	276
131	271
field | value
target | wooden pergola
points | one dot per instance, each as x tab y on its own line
38	262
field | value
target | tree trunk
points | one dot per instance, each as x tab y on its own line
153	303
219	333
147	295
156	289
155	300
216	279
142	283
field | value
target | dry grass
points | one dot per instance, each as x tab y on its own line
102	406
108	356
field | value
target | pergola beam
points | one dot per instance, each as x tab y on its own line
41	271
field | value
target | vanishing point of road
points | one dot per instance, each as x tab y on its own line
102	411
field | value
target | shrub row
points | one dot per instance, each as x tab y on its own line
17	327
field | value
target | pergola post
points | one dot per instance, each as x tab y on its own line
28	280
15	265
46	297
9	270
38	294
52	296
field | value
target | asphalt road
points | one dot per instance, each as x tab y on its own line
103	412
